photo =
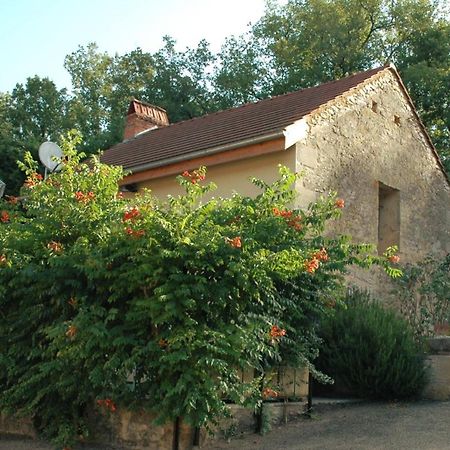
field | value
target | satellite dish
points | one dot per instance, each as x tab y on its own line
50	155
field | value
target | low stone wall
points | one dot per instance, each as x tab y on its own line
22	426
439	386
135	430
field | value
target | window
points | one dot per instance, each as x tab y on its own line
388	217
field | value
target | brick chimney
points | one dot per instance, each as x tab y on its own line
143	116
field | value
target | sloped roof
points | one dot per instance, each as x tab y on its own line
252	120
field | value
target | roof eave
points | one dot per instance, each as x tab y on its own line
207	152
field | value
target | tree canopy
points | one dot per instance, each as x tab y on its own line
296	45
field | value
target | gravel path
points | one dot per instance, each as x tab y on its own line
356	426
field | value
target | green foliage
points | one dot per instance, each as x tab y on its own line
34	112
37	112
181	82
146	304
102	89
240	76
9	150
424	295
372	351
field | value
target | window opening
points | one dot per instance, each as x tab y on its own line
388	217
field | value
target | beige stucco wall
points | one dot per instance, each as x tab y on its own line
232	176
350	148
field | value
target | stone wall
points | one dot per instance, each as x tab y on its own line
135	430
439	361
20	426
367	139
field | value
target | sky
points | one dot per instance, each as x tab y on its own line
36	35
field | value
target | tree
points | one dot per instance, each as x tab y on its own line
425	67
181	82
91	85
37	111
9	150
313	41
240	75
130	75
102	89
31	114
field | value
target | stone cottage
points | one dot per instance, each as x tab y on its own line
359	136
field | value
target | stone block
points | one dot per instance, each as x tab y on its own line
439	344
133	430
20	426
307	156
293	382
439	386
283	412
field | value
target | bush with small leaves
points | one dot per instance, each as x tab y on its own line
97	291
372	351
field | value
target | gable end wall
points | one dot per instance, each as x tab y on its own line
350	148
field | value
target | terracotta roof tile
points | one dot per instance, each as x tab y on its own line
227	127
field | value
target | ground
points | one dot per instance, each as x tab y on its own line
359	426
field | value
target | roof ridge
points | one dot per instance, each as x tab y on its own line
273	97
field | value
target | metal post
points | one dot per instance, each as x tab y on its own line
176	434
196	436
309	406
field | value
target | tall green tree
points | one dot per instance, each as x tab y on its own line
104	85
129	75
37	111
311	41
9	150
425	67
33	113
240	75
102	88
91	86
182	80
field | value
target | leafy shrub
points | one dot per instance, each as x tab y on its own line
371	351
97	290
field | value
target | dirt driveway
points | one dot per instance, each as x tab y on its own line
356	426
359	426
